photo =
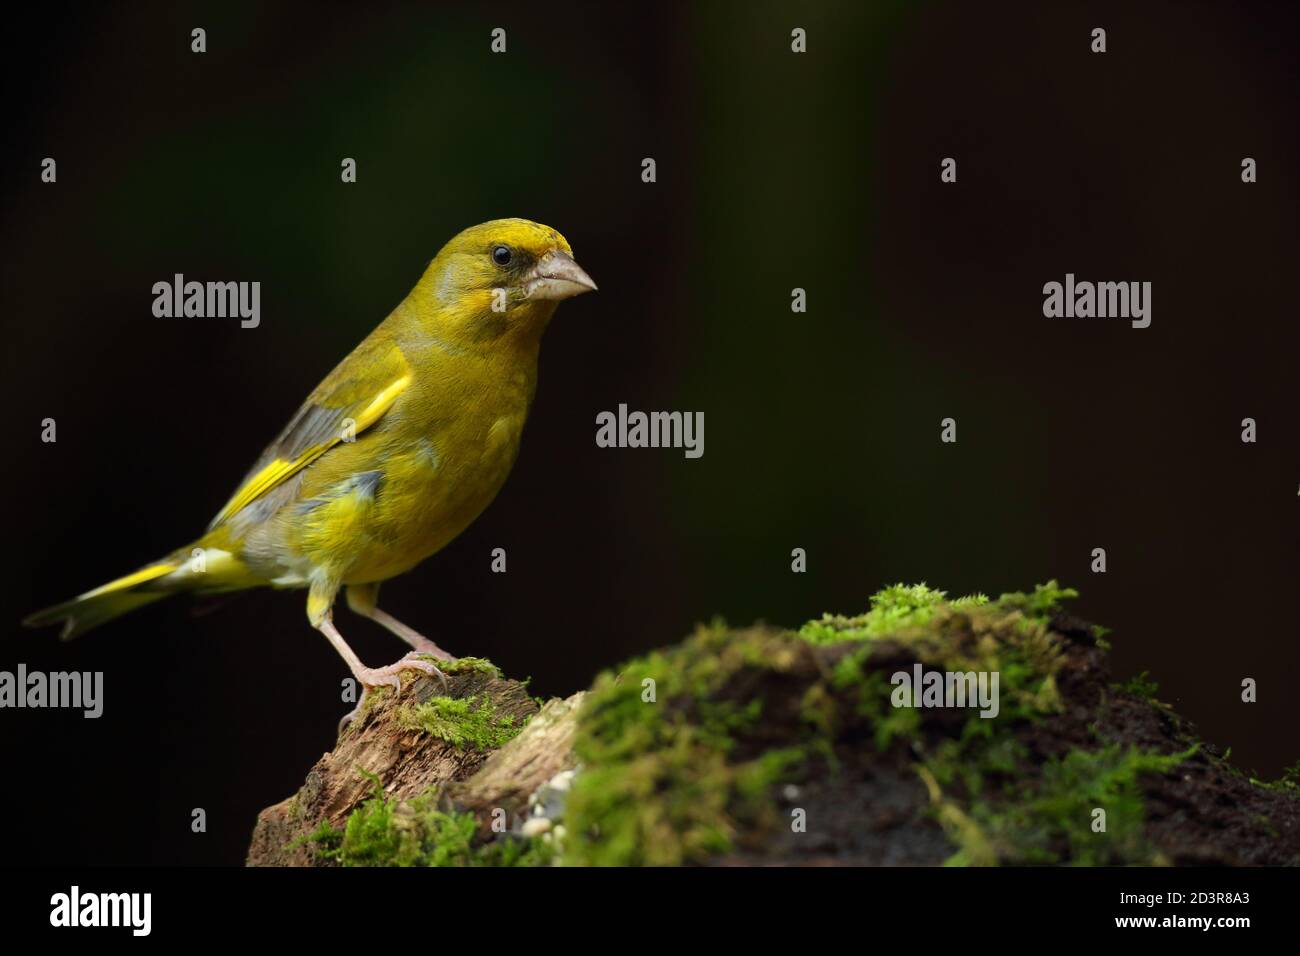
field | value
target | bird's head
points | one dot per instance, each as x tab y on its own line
500	278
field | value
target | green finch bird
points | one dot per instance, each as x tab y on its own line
392	456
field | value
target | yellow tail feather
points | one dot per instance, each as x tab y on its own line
89	610
84	613
205	566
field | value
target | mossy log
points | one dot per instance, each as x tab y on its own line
768	746
492	752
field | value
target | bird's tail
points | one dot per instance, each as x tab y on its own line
194	568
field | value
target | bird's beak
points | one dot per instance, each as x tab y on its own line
556	276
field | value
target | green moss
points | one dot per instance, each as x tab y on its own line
468	665
895	609
462	721
967	636
384	833
1288	782
325	838
1041	604
1140	685
682	750
869	692
373	699
1053	820
672	770
681	757
901	611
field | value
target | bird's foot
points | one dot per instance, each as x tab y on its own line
350	716
390	676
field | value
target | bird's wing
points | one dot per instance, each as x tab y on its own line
360	389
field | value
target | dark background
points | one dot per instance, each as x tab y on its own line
822	430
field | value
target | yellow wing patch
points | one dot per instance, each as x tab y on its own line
370	414
280	469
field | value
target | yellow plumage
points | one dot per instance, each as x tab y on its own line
394	454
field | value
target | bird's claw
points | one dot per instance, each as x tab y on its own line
390	676
350	716
416	659
372	678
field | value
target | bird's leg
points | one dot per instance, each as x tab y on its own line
413	637
362	598
372	677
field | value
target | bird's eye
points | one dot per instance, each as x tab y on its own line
502	255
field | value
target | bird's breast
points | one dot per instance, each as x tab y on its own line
442	454
433	488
